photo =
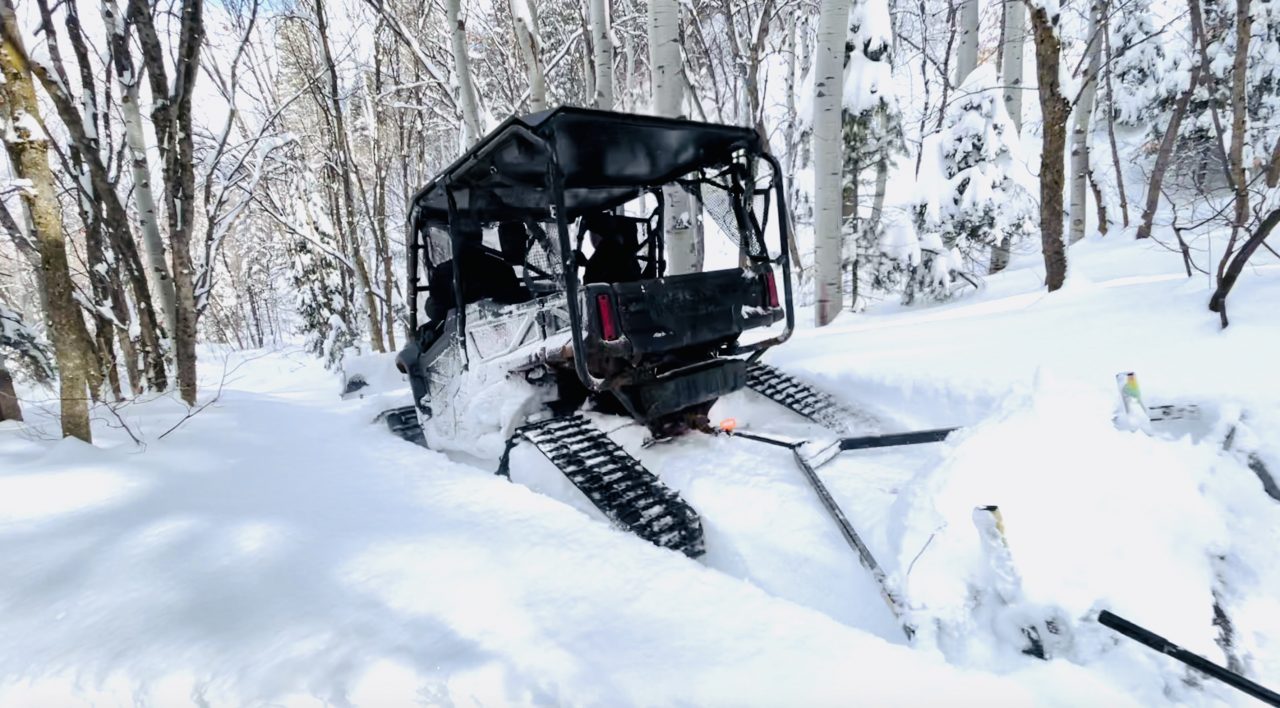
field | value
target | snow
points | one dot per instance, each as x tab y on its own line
15	184
280	547
24	128
868	82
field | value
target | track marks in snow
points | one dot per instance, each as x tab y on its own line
280	547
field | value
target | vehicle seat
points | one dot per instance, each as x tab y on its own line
484	276
616	243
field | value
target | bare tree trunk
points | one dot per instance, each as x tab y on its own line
143	197
1015	39
180	184
681	222
132	368
1273	172
382	239
1218	302
828	157
792	117
1082	124
1111	122
1104	223
877	198
1055	108
524	16
345	167
792	140
90	214
882	174
755	101
28	150
630	94
967	51
588	55
171	119
9	407
1165	153
462	68
85	153
99	275
1013	42
1235	157
603	46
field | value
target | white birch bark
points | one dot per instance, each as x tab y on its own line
462	72
967	49
789	49
1015	39
629	88
144	199
833	22
1080	129
127	78
792	138
526	23
664	48
882	183
603	45
681	224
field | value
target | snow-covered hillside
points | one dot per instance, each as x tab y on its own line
279	548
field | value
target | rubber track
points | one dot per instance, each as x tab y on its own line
616	483
1173	412
808	401
403	422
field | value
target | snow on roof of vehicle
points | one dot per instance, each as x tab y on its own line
605	159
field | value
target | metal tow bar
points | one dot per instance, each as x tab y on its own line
1195	661
892	597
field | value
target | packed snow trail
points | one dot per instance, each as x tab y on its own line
278	547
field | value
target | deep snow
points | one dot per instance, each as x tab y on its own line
280	548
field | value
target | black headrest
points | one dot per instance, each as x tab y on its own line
513	240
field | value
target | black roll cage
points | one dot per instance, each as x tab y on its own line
554	182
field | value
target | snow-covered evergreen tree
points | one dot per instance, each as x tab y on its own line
1143	77
872	132
1262	99
323	305
972	198
929	269
21	349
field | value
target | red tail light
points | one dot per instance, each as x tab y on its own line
608	325
771	288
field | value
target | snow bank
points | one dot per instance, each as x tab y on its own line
279	548
1157	529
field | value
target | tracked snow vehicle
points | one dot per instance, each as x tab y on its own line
524	324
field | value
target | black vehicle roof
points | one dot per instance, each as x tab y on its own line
605	158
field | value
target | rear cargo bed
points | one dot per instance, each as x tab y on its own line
666	314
